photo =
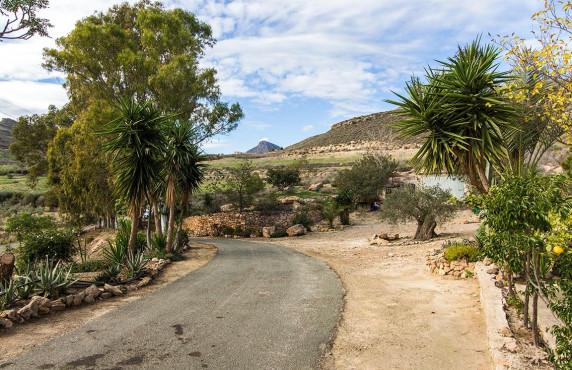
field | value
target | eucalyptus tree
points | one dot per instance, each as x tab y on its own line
462	111
20	19
137	142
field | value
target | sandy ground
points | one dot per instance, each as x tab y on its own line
397	315
22	337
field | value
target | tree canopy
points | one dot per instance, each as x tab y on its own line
19	19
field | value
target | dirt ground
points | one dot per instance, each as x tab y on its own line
398	315
22	337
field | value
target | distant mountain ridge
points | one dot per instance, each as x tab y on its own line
264	147
6	126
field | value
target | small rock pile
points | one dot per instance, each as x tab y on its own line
40	306
382	239
437	264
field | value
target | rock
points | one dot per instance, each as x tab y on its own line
69	300
112	289
11	315
383	236
78	298
379	242
106	295
512	346
296	230
89	298
487	261
57	305
390	254
442	272
146	280
93	291
226	208
499	284
40	301
506	332
316	186
5	323
27	312
154	259
493	270
499	277
268	231
291	200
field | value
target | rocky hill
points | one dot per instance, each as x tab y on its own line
264	147
358	133
6	125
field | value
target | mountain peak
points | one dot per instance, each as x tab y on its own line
264	147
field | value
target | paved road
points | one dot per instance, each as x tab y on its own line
254	306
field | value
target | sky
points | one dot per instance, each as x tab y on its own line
295	66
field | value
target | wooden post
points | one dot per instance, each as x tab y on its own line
7	261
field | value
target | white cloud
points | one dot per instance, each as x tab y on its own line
27	97
307	128
260	126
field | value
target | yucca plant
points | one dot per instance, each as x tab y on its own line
330	211
52	280
135	264
24	280
158	244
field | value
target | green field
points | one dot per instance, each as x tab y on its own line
231	162
17	184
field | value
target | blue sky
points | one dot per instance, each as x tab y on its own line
295	66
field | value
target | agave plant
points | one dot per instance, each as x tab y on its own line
116	252
24	281
135	264
52	280
7	294
109	274
158	244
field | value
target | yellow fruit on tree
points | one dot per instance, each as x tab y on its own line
558	249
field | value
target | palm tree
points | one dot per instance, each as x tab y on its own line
461	112
181	169
138	144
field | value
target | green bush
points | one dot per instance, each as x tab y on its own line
51	280
226	230
56	244
279	234
89	266
303	219
268	203
459	251
109	274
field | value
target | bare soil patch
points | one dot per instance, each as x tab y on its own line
22	337
397	315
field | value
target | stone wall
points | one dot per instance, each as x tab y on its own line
211	225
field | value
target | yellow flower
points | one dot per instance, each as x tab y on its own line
558	249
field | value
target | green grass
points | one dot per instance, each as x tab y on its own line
18	184
231	162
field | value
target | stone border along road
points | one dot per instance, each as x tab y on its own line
254	306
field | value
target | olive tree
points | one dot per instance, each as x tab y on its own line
426	205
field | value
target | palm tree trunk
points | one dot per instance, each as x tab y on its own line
170	224
157	219
134	225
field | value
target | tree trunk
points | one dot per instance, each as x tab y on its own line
510	283
535	331
7	261
170	223
133	236
148	234
425	229
157	219
178	235
526	294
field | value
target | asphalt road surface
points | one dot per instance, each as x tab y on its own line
254	306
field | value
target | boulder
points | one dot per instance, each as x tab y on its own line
291	200
27	312
226	208
106	295
268	231
296	230
92	291
494	270
89	298
112	289
69	300
316	186
78	298
11	315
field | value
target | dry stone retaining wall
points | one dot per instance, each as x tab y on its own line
211	225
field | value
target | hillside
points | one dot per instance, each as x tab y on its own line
6	125
357	133
264	147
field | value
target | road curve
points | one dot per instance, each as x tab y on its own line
254	306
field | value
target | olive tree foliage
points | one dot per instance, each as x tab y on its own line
367	178
283	177
242	184
32	136
19	19
139	52
426	205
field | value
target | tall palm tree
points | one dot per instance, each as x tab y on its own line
181	170
138	144
462	113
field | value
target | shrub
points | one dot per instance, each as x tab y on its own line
303	219
460	251
8	294
55	244
227	230
116	251
279	234
89	266
109	274
25	223
158	243
330	211
268	203
135	264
